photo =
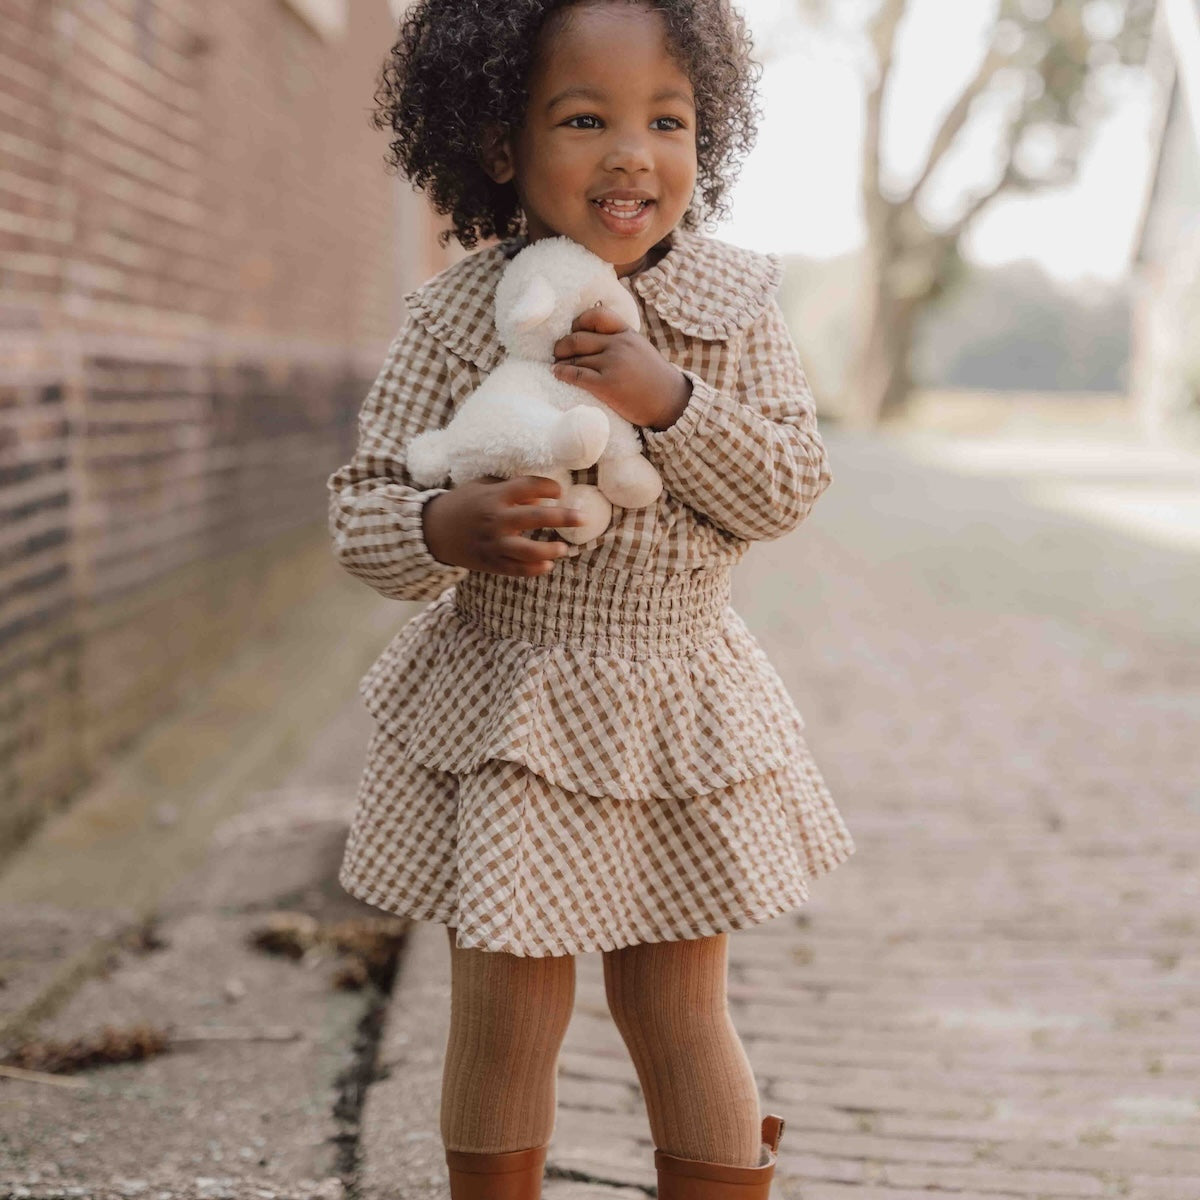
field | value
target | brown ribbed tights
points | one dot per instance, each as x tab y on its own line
508	1018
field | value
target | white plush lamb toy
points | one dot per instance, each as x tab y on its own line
523	420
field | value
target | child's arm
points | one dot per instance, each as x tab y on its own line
375	510
751	462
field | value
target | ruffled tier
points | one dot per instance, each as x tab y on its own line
604	683
518	865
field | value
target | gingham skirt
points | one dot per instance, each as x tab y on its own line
583	761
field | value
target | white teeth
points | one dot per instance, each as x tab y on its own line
622	208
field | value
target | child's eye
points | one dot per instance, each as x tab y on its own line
678	124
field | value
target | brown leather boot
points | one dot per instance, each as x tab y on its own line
691	1179
515	1175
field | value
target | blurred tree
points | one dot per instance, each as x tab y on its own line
1050	67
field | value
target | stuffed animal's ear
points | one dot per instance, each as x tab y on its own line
534	303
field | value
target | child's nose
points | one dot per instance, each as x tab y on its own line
629	153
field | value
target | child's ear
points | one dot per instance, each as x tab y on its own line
495	154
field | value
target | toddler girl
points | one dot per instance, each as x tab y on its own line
583	748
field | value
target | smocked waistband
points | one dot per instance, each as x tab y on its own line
608	612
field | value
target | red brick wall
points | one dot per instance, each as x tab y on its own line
201	261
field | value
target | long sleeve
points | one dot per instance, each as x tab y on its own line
753	462
375	510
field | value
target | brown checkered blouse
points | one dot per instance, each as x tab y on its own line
623	671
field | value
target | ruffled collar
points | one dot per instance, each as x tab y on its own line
702	286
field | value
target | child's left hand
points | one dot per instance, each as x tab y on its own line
623	368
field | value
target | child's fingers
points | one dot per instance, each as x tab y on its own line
529	550
578	372
574	344
600	320
524	489
541	516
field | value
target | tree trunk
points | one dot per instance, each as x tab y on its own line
880	380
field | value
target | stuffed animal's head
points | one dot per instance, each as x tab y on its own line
545	287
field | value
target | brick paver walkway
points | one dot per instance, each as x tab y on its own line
998	994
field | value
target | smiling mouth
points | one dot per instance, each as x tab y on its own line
622	209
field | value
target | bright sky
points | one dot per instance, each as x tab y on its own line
798	191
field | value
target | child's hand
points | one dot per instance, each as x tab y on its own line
623	368
478	525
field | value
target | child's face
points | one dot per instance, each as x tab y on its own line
634	131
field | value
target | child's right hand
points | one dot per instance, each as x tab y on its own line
479	524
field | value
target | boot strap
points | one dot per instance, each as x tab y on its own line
772	1131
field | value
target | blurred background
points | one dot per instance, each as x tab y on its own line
990	215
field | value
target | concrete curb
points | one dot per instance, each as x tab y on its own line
113	915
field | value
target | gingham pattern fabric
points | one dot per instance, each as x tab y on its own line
620	680
516	864
613	684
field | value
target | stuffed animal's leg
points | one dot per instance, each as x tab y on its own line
596	510
626	477
579	437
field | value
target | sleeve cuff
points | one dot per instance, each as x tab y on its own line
705	411
410	516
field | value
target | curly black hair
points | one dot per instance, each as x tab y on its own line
460	66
